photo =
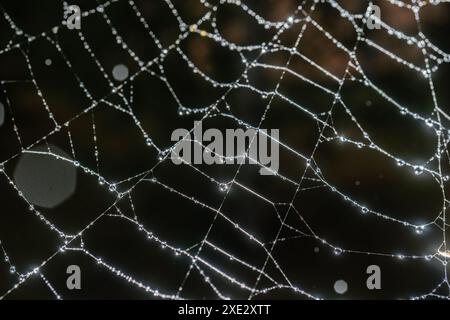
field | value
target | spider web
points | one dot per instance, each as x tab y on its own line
252	236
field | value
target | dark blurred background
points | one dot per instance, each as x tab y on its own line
366	175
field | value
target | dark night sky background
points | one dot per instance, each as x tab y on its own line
365	174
